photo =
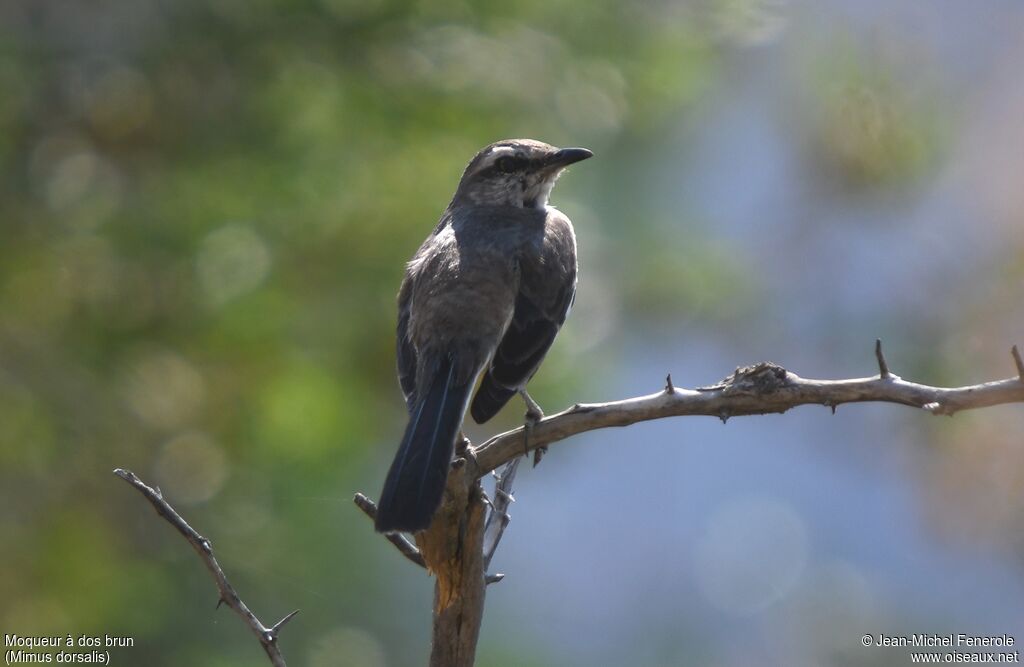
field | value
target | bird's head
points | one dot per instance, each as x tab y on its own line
515	172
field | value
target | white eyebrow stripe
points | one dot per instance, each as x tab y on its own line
499	150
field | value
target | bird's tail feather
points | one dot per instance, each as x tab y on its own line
415	482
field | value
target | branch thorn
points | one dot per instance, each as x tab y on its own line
280	624
724	416
502	493
669	387
883	368
1018	361
494	578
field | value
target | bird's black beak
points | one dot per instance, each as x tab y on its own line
567	156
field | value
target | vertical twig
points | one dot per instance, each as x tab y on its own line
498	519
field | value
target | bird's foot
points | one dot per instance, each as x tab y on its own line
533	412
462	444
533	415
464	452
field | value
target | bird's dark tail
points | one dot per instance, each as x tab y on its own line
415	482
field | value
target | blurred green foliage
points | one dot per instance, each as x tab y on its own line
205	209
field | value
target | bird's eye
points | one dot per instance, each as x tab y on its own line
506	164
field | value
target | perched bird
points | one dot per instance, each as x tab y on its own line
485	294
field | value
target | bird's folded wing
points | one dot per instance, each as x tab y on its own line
521	350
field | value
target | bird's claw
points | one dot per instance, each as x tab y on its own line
533	416
462	444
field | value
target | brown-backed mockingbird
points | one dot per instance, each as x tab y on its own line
486	294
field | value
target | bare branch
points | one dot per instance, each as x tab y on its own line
498	519
266	636
453	548
400	541
761	389
459	544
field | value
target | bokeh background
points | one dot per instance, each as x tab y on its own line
205	207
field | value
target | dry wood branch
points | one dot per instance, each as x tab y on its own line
453	548
266	636
458	545
401	542
499	518
760	389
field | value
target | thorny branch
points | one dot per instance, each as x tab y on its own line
763	388
266	636
499	518
460	548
